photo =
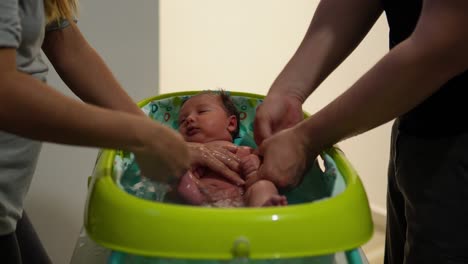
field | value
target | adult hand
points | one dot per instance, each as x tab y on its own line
286	157
163	155
220	159
278	111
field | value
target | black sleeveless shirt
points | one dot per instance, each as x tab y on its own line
446	111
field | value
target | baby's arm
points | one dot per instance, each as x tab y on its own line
249	166
249	163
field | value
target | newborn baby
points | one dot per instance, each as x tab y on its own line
212	118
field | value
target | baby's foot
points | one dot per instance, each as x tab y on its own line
276	200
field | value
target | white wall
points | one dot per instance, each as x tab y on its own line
242	45
125	34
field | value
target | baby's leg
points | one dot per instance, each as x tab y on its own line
264	193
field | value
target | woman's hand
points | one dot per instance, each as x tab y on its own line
277	112
286	157
163	154
219	159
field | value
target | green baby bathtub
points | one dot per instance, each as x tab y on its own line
327	219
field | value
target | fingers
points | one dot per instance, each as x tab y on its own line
271	169
228	158
220	168
217	159
231	148
282	178
201	153
226	154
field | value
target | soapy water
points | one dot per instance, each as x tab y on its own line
151	190
129	178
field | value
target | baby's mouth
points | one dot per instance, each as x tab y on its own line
192	131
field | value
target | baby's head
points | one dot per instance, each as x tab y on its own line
209	116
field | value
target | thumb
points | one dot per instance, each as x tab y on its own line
262	129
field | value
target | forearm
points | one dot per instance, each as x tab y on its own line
31	109
336	29
401	80
84	72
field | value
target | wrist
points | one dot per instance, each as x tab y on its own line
294	83
312	137
141	129
297	91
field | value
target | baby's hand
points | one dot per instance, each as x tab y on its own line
249	165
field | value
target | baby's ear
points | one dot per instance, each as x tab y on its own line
232	125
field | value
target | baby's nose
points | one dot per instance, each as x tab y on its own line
190	118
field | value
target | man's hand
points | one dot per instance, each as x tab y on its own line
277	112
286	158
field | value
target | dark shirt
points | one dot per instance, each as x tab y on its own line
444	113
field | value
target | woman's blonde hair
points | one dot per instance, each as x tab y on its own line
60	9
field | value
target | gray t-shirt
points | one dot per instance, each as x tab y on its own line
22	27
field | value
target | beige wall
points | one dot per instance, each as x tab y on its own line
242	45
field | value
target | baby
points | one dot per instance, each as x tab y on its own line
212	118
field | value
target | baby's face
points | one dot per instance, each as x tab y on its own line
203	119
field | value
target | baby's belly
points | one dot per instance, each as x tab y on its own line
221	193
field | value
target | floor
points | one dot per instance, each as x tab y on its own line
374	249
